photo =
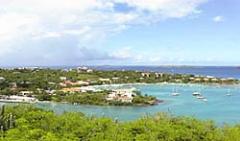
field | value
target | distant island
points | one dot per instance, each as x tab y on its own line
75	85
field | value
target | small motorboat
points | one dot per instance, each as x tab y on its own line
200	97
196	93
175	94
205	100
228	94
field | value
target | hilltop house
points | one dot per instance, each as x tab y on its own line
2	79
13	85
63	78
84	69
77	83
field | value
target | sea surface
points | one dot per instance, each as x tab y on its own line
219	107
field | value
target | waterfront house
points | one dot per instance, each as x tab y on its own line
105	80
206	79
210	77
197	79
82	83
70	90
145	74
17	99
115	78
123	95
214	80
178	80
157	75
80	89
88	89
25	93
191	78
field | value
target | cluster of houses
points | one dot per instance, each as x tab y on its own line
121	95
23	96
210	79
77	83
84	69
196	78
83	89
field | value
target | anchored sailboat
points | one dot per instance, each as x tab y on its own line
174	92
228	93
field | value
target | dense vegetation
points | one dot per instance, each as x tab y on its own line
33	124
99	98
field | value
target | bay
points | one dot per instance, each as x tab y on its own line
219	107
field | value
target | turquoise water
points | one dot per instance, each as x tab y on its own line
219	107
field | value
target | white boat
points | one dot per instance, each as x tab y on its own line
200	97
205	100
196	93
228	94
175	94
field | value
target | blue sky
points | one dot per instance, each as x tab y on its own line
119	32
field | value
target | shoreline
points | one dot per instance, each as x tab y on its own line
158	101
165	83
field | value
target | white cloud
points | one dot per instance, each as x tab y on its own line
124	53
24	23
218	19
166	8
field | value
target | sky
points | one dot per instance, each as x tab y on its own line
119	32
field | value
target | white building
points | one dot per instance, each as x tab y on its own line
17	99
2	79
84	69
123	95
63	78
88	89
145	74
24	93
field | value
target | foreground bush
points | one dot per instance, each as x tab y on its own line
33	124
